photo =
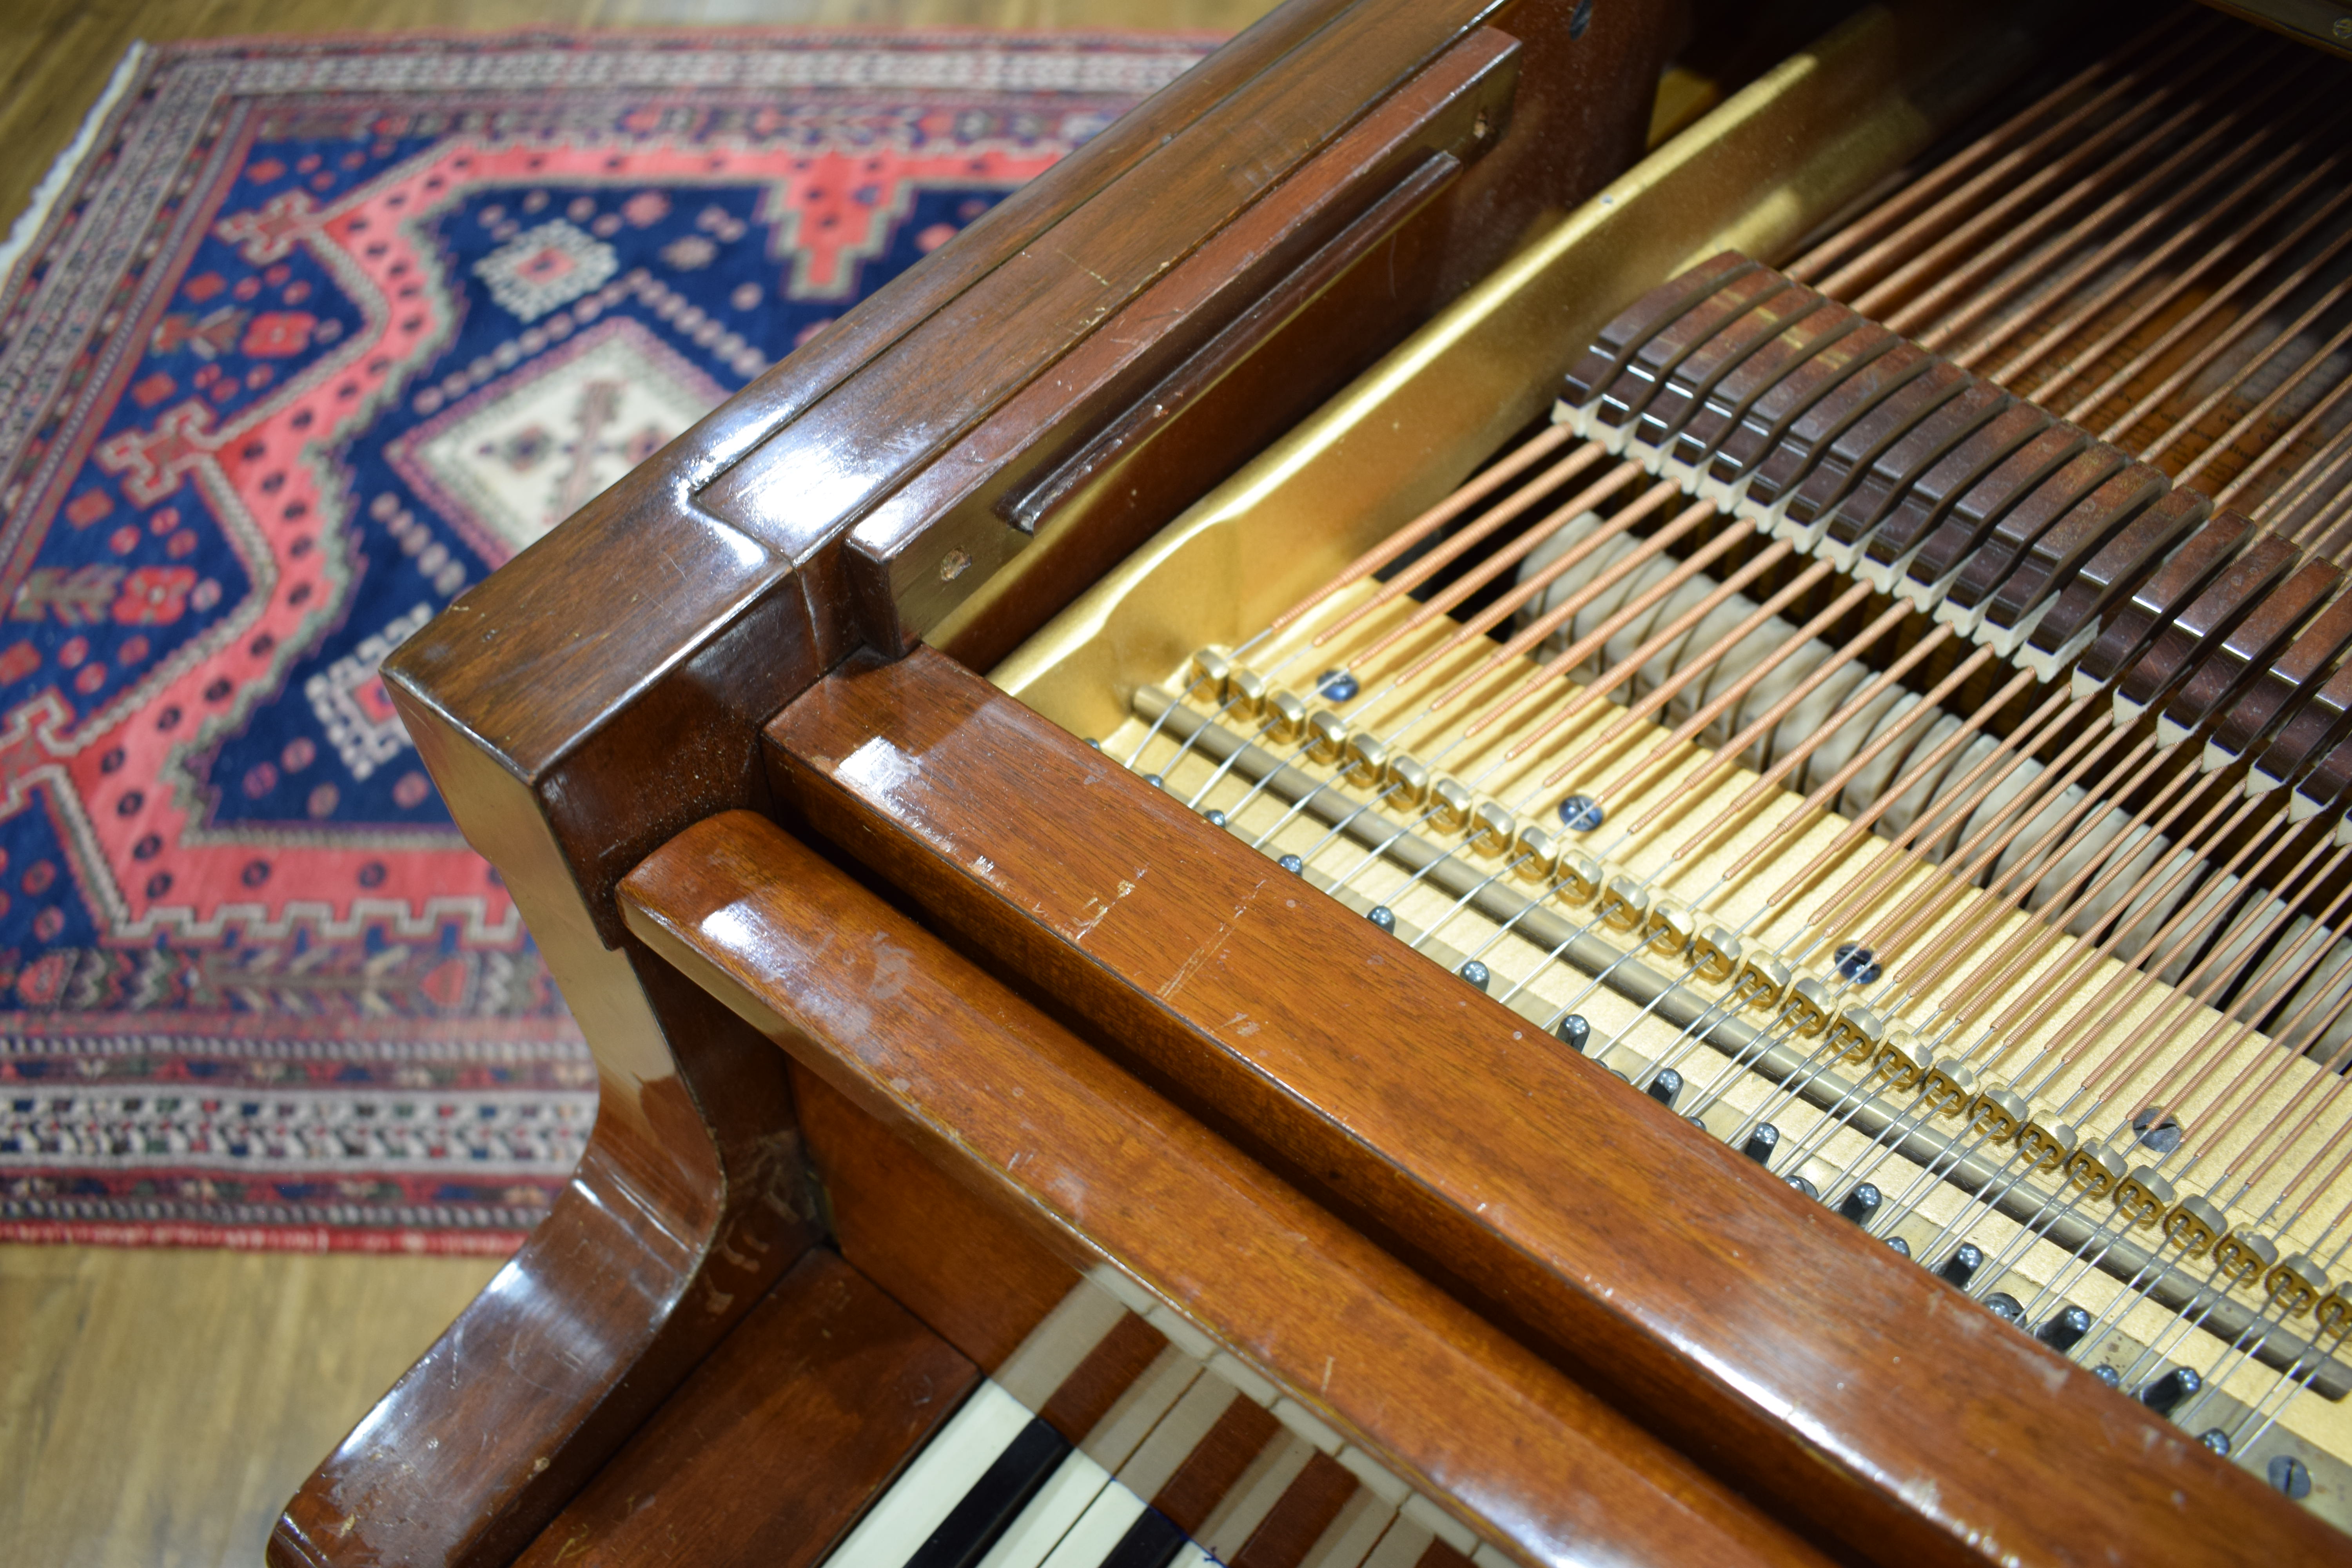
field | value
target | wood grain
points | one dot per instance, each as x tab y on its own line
157	1407
768	1451
1656	1263
984	1085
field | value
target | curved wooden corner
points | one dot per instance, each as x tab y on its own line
675	1224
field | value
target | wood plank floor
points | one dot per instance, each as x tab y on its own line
156	1408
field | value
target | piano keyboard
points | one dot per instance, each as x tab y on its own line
1898	719
1114	1437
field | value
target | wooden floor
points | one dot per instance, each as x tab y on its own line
156	1408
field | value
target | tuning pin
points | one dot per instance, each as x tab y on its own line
2166	1393
1474	972
1575	1033
1383	917
2065	1328
1962	1265
1860	1204
2005	1307
1667	1084
1762	1143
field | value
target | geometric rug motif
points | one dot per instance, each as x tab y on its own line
310	336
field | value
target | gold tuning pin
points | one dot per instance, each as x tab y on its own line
2296	1284
1493	829
1669	929
2143	1198
1407	780
1716	953
1580	876
1999	1114
1809	1007
1763	981
1856	1034
1624	905
2194	1224
1449	806
1326	733
1285	716
1535	856
2243	1259
1951	1088
1245	689
2098	1171
1902	1061
2047	1145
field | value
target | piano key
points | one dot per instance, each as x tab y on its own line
1117	1530
1353	1532
1140	1407
994	1500
1212	1465
904	1518
1281	1458
1300	1518
1403	1544
1091	1388
1054	1349
1058	1505
1171	1442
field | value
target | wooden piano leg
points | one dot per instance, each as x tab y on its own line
693	1196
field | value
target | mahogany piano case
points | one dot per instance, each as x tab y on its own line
1078	1089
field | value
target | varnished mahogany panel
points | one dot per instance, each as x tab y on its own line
768	1451
981	1276
1760	1328
989	1088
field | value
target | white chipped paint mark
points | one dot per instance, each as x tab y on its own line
1126	887
1243	1024
879	768
893	967
1327	1373
1201	954
984	866
900	1085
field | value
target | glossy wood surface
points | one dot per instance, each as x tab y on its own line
604	689
1758	1330
1019	1110
766	1454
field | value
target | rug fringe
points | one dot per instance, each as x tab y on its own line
52	188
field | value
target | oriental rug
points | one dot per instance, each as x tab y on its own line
302	338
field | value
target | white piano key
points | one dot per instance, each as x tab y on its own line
1375	1476
955	1457
1173	1440
1099	1528
1244	1506
1038	1529
1352	1533
1043	1361
1234	1371
1440	1523
1402	1546
1136	1412
1306	1423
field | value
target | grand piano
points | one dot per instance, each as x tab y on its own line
1379	834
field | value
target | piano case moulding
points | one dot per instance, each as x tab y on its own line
914	475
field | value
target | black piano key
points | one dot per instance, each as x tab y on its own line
1003	1489
1152	1542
